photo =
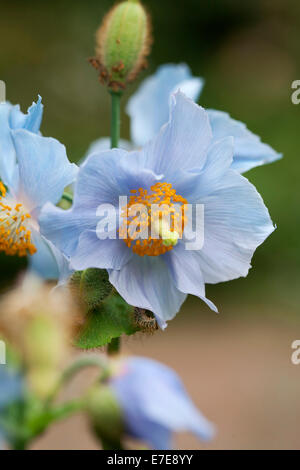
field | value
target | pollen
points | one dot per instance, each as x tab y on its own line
153	220
15	236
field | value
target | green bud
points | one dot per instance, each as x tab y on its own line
92	286
123	42
105	415
45	347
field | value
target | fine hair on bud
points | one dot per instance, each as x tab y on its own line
123	42
145	321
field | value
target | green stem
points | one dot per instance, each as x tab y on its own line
77	366
115	118
114	346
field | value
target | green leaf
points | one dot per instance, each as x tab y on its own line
110	320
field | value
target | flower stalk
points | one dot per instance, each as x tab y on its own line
115	118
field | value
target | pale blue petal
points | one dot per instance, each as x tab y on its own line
63	227
11	117
92	252
249	151
148	108
7	150
186	273
44	168
196	183
182	144
155	403
236	222
146	282
30	121
63	263
104	144
191	88
43	263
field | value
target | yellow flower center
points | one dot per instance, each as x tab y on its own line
15	236
153	221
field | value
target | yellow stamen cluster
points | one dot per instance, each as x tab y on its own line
162	219
15	238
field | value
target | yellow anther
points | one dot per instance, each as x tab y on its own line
166	219
15	237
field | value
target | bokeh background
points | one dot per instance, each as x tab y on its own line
236	365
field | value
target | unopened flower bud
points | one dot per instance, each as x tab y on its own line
91	287
123	42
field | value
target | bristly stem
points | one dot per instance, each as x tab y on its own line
115	118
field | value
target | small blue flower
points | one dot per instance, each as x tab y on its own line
11	117
182	163
40	175
148	110
155	403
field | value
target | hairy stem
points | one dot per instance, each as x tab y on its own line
115	118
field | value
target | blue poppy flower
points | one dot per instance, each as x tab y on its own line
155	404
11	117
148	110
41	173
182	163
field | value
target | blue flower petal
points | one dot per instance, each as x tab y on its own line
7	150
92	252
146	282
63	227
155	404
236	223
11	117
186	273
148	108
104	144
249	151
183	142
44	168
192	185
43	263
30	121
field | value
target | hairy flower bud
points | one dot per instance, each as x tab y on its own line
91	287
123	42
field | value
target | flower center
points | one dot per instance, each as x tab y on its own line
15	237
153	221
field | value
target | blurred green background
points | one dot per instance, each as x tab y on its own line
248	52
236	365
